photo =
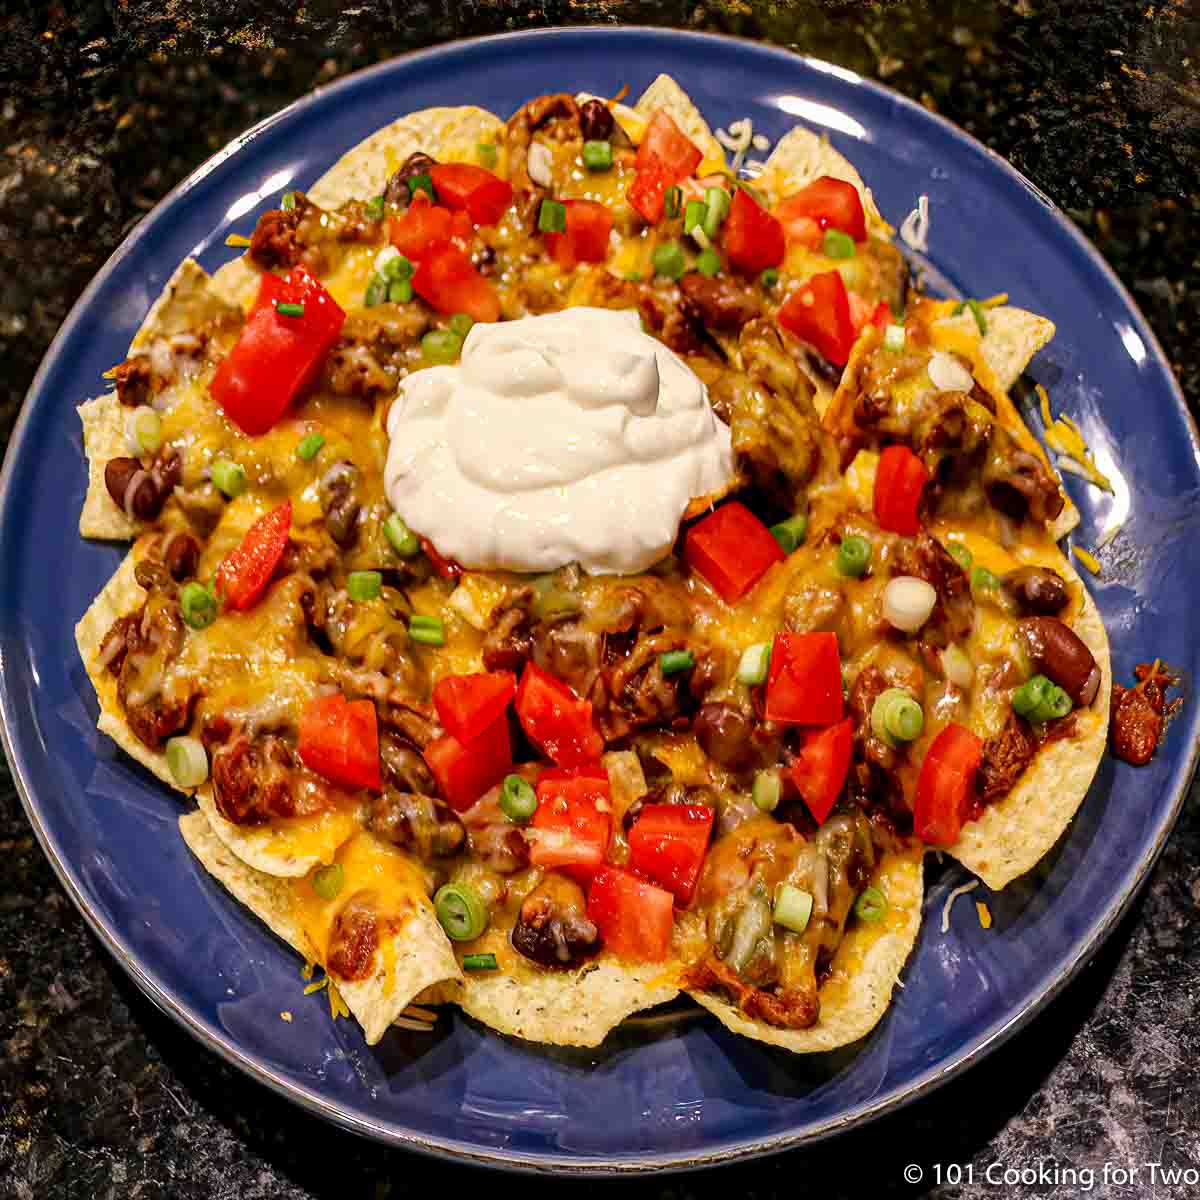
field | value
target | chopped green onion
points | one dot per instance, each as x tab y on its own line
397	267
977	312
552	217
755	661
461	911
633	277
838	244
693	215
403	540
668	260
377	291
187	761
364	585
960	554
791	533
198	605
853	556
709	262
597	156
896	717
143	431
441	345
674	661
229	477
373	209
461	324
1038	699
518	800
328	881
288	202
872	905
421	183
983	579
309	447
793	908
894	338
769	278
286	309
672	199
768	787
716	206
479	962
400	291
1060	703
487	154
428	631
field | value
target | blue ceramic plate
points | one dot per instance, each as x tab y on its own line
681	1091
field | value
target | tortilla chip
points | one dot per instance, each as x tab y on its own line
666	94
186	303
421	955
120	596
1014	834
865	970
236	283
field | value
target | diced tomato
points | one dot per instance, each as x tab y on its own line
465	771
944	785
899	480
339	739
804	684
484	196
447	568
667	844
752	238
420	228
586	237
732	549
245	572
829	203
818	312
447	279
798	230
461	228
468	704
277	357
666	145
647	191
881	318
819	770
634	917
573	821
556	720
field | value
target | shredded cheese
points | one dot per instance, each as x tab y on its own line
415	1026
985	914
950	899
738	139
316	986
1089	560
915	228
1064	437
994	301
237	241
286	1016
337	1006
1108	535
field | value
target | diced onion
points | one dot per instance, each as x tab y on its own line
143	432
756	659
958	667
188	761
793	908
907	603
950	899
948	374
893	338
540	164
915	229
768	787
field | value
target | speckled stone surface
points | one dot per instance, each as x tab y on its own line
105	106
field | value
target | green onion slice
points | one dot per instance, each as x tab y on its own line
1039	699
896	717
983	579
373	209
198	605
421	183
838	244
398	267
552	217
674	661
754	664
668	260
672	199
793	908
461	911
853	556
769	278
229	477
716	207
693	215
310	446
597	156
400	291
287	309
143	431
977	312
364	585
709	262
518	800
791	533
487	154
461	324
288	202
187	761
960	554
328	880
479	962
441	345
894	338
872	905
427	631
403	540
377	291
768	787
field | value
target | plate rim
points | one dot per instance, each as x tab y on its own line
525	1162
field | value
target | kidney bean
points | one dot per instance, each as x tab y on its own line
1037	590
1059	653
595	121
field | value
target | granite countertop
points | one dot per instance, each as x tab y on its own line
104	107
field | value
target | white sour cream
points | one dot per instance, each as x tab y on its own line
570	437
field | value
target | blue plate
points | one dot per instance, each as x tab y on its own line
683	1091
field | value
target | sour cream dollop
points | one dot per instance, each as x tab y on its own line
570	437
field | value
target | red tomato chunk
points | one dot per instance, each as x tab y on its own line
667	844
804	684
464	771
556	720
634	917
732	549
339	740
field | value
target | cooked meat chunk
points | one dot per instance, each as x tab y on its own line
354	938
792	1009
274	242
420	824
953	615
1017	482
717	302
1005	757
397	192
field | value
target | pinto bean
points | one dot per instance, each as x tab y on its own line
553	929
1037	590
1059	652
595	121
723	732
181	556
145	503
396	193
